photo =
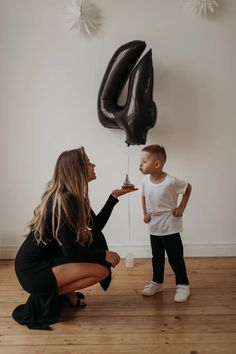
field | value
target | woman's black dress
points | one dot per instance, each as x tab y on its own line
34	263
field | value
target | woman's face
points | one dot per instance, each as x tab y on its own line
91	172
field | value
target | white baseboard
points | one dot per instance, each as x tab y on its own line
144	251
190	250
8	252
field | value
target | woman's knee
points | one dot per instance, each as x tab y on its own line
103	272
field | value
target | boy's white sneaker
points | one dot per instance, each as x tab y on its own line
182	293
152	288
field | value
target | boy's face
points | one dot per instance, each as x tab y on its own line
148	163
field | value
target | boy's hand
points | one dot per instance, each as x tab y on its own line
147	218
178	212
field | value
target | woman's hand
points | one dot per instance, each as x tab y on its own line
113	258
118	192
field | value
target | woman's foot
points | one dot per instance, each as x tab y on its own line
75	299
72	299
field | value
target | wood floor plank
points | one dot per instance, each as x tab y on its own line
123	321
121	349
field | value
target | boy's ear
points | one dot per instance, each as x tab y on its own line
157	163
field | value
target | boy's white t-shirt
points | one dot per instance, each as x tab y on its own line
161	199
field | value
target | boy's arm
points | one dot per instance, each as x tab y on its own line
144	205
146	216
180	210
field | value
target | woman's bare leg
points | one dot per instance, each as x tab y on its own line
78	285
75	276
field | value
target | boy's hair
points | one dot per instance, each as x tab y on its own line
156	149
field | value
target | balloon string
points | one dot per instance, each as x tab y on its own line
128	160
129	228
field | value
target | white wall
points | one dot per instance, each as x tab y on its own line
49	83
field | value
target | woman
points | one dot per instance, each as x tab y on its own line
65	249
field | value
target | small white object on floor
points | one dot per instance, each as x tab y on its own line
129	260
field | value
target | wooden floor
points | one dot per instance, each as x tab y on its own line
122	321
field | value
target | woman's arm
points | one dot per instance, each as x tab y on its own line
74	250
100	220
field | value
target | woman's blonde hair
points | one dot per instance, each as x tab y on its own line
70	179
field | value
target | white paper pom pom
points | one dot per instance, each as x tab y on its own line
202	6
83	16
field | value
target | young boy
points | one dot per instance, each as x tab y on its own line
160	193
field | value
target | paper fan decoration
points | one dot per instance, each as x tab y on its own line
202	6
83	16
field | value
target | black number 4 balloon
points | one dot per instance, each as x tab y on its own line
139	113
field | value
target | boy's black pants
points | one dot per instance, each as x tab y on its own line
173	246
